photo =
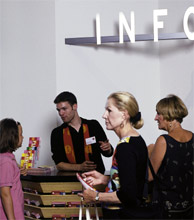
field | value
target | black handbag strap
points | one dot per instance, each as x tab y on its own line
152	169
145	190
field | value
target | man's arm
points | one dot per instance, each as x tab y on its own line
68	166
85	166
57	148
106	148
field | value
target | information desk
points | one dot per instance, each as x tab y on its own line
54	194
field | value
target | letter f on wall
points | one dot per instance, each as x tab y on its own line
158	24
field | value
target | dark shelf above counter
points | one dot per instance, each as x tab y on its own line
54	176
115	39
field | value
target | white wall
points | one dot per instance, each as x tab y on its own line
92	73
37	65
176	59
28	77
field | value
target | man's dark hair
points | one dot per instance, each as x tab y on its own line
66	97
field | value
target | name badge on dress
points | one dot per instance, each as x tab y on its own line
91	140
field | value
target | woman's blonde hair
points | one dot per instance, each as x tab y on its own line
172	108
126	101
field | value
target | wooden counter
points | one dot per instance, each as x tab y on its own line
44	193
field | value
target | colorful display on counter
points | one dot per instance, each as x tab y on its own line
31	154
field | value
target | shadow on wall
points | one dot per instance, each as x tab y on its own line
190	95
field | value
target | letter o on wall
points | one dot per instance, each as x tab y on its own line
189	34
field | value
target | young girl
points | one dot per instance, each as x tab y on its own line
11	195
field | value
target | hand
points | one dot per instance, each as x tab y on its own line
105	145
88	195
87	166
95	178
23	170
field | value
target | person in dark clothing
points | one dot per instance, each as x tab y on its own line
124	191
78	143
172	159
